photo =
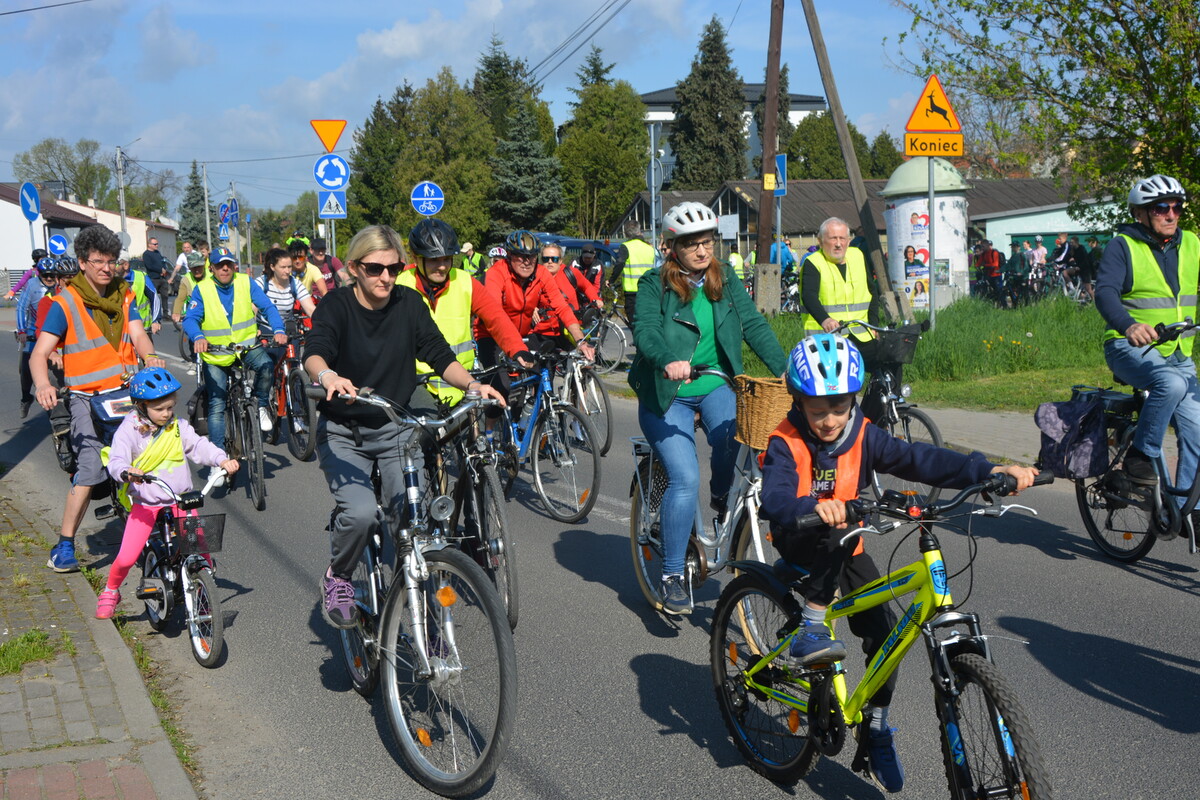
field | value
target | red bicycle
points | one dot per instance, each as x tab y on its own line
290	407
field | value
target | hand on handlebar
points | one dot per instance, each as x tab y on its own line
830	325
489	392
588	351
334	385
1140	334
230	465
832	512
200	345
678	371
281	338
1023	475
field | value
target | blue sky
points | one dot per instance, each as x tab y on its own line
219	81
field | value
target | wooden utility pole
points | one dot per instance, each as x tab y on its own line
895	303
766	276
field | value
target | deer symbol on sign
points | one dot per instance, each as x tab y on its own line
934	108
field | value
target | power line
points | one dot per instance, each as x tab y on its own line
588	39
241	160
573	35
41	8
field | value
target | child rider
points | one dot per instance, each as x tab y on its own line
820	456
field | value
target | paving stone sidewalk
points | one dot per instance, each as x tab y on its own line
80	725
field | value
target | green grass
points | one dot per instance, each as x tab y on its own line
34	645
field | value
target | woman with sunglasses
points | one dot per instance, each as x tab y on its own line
692	310
368	333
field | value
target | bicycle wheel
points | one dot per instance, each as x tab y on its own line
496	551
273	410
770	733
596	405
611	346
987	744
1120	523
454	725
185	348
914	426
360	644
566	463
644	529
301	417
252	449
206	625
154	567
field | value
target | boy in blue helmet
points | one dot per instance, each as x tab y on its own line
821	456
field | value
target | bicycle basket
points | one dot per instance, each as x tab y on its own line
762	403
898	346
201	534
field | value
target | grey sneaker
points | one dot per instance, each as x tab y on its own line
675	595
337	601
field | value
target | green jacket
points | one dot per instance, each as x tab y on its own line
666	331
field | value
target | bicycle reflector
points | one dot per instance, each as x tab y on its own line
446	596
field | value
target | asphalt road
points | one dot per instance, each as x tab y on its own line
615	700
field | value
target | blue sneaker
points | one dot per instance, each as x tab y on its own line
814	644
885	762
62	557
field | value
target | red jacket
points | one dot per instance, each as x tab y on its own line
488	312
552	326
519	302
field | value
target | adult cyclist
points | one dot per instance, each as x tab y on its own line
692	310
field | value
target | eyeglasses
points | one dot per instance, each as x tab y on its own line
375	270
692	247
154	244
514	257
1162	209
100	262
224	265
551	259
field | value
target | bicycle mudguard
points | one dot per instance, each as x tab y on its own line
766	573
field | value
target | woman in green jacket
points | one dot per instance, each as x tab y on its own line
691	310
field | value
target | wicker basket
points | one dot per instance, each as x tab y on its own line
200	534
762	403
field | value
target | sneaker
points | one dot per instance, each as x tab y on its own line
1139	468
675	595
62	557
884	761
25	404
265	423
106	605
814	644
63	451
338	604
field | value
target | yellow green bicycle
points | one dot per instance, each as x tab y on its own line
783	717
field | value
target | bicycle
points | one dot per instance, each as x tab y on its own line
582	389
736	534
1125	519
438	636
289	404
886	391
607	335
177	568
243	437
783	717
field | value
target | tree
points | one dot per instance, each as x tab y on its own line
885	156
374	193
528	191
591	73
269	227
1114	90
604	154
193	226
80	169
708	137
501	83
784	126
814	151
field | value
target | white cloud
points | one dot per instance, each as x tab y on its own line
167	49
893	119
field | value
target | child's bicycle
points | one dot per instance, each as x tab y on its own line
783	716
176	568
1124	518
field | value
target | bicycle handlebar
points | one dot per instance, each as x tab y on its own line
401	415
1169	333
216	475
845	325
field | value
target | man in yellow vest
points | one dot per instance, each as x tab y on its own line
1148	275
222	311
737	262
97	324
635	258
472	262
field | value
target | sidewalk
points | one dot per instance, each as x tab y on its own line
79	725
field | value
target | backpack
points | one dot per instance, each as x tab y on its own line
1074	440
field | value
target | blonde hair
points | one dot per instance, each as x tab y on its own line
372	239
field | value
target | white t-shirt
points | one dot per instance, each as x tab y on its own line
181	263
284	299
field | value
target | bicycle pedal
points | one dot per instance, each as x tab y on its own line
106	511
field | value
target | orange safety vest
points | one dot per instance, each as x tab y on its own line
845	487
90	364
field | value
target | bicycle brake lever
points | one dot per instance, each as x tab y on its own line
1001	510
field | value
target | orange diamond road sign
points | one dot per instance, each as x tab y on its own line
329	131
933	113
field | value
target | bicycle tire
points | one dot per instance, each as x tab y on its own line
770	734
611	346
273	409
185	348
154	559
596	404
987	744
206	624
913	426
496	548
360	644
1121	531
454	728
252	444
301	413
566	463
646	546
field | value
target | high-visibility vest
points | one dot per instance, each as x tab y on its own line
90	363
453	318
139	296
843	298
639	262
473	264
218	328
845	485
1151	301
739	266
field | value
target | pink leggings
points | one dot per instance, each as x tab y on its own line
137	532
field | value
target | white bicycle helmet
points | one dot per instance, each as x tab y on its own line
825	364
1155	188
687	218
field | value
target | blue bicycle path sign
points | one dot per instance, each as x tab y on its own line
427	198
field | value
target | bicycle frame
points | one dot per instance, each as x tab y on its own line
543	395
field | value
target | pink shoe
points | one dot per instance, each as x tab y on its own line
106	606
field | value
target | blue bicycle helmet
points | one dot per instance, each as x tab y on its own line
152	383
47	267
825	364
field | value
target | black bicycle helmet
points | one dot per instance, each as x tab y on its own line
38	255
522	243
432	238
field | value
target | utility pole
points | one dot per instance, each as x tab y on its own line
895	303
207	216
121	187
766	275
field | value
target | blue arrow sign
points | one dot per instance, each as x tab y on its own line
781	174
427	198
223	232
31	203
331	172
58	244
331	205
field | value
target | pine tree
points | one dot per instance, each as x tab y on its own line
708	136
593	71
528	190
885	156
374	193
193	226
501	84
783	125
814	151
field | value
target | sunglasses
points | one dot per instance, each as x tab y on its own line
375	270
551	259
1162	209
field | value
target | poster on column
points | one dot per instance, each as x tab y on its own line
908	227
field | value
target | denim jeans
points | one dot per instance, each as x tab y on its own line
673	438
1174	398
216	384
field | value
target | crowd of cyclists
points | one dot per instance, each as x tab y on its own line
400	317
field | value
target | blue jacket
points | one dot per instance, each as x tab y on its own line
27	303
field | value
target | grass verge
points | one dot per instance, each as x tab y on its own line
32	646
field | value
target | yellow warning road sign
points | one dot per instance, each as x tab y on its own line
329	131
933	113
933	144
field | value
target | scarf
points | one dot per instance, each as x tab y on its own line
107	311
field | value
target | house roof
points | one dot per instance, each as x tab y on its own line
51	210
665	99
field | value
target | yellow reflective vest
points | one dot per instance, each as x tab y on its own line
843	298
453	318
1151	301
139	297
217	326
739	266
640	261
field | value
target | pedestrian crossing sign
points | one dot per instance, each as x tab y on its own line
332	205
